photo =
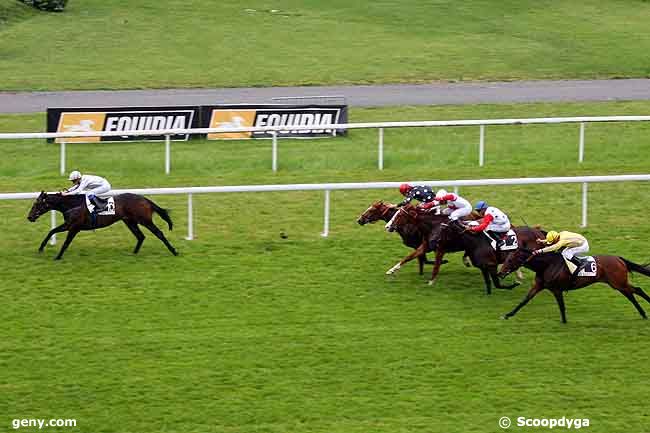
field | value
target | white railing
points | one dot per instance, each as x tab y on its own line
376	125
328	187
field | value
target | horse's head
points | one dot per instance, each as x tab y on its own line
39	207
377	211
404	215
514	261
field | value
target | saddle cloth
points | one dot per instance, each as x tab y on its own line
110	206
509	241
589	269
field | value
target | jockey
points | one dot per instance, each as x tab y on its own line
572	243
495	221
90	185
457	207
422	193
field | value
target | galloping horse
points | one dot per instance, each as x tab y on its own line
424	221
410	234
451	236
133	209
551	273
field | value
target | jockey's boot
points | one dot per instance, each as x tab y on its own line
497	237
99	203
578	262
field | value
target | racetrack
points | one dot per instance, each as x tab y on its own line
358	96
248	331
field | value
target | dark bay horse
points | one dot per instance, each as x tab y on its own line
451	236
133	209
425	222
410	233
551	273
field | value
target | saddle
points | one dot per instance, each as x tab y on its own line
508	241
587	266
101	206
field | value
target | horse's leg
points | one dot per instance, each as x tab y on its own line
436	267
421	260
466	261
58	229
639	291
493	270
538	286
519	275
137	233
71	234
156	231
628	292
416	253
560	303
486	278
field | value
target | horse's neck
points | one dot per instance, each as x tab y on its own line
63	203
544	261
527	237
388	213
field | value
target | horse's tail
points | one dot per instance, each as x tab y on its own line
164	213
633	267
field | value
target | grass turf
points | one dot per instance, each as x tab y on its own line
249	332
147	44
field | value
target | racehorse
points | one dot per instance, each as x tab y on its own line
551	273
410	234
424	221
452	235
133	209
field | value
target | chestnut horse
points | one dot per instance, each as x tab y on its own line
410	234
133	209
551	273
425	221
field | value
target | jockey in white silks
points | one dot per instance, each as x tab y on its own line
457	206
495	222
90	185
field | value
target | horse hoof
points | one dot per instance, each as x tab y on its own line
430	282
57	258
504	317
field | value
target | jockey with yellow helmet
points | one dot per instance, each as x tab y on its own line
572	244
422	193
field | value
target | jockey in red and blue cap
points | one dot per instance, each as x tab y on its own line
422	193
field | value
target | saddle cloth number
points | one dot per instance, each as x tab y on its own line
590	269
509	241
109	210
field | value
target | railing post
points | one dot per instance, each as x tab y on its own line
326	223
190	216
456	190
62	164
581	149
584	204
274	155
168	154
53	223
380	162
481	146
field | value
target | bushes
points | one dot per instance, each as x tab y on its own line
47	5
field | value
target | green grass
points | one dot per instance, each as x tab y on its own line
248	332
170	43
